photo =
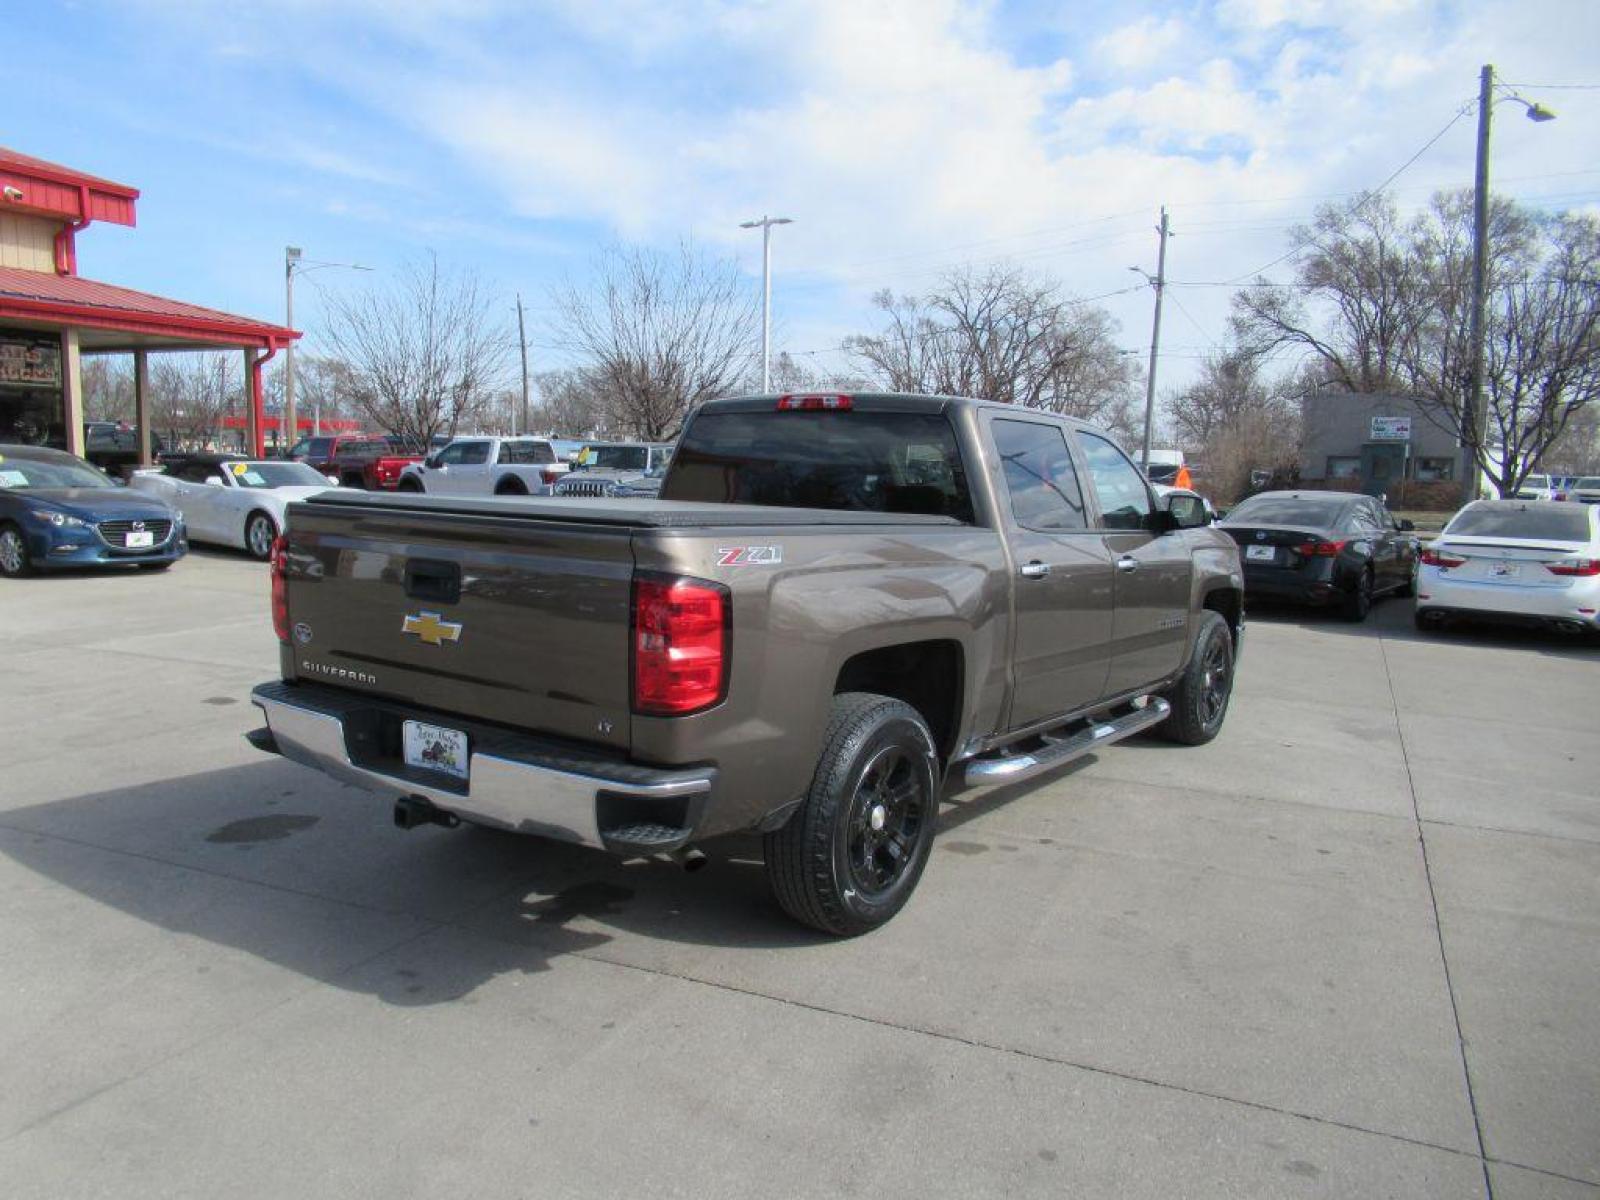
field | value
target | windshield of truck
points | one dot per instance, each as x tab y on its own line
863	461
615	458
1543	519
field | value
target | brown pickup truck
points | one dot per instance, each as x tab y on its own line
841	608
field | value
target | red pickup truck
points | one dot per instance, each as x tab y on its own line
373	463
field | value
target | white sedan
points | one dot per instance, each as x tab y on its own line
1533	561
233	501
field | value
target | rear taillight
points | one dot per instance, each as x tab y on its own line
1438	558
550	477
829	403
280	587
1319	549
680	645
1574	566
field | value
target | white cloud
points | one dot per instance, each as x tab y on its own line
1141	45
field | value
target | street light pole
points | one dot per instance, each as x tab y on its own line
291	255
1159	283
522	338
1473	417
765	224
292	262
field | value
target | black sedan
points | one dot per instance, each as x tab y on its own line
1322	548
58	511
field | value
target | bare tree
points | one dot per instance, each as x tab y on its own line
1236	422
191	394
107	388
658	334
569	403
1359	302
1541	332
1001	335
425	354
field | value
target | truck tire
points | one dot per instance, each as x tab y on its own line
852	853
1200	698
409	483
511	486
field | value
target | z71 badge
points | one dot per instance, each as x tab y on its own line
749	556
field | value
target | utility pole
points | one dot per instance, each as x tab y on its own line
522	338
765	224
1471	439
287	428
1159	283
1473	417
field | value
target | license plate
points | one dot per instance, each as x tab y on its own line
140	538
1260	553
1505	570
435	748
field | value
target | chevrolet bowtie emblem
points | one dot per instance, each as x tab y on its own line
433	630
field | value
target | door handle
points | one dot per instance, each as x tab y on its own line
1127	563
1034	570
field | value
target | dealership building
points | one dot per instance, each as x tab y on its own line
51	316
1375	443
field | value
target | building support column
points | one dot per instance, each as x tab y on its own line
141	407
254	434
72	390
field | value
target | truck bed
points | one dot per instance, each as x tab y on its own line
648	513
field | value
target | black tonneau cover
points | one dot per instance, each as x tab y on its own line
645	513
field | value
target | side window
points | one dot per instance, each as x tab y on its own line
1366	519
1123	494
474	453
1045	494
509	453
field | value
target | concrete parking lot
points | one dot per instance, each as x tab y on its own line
1352	948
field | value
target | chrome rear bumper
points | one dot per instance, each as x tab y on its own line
516	783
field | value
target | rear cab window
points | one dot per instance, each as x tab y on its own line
860	460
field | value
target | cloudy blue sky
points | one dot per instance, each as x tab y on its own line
903	136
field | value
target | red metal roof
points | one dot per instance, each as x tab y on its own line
74	300
57	173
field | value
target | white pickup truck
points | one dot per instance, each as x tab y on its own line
487	466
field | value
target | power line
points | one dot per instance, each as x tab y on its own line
1373	193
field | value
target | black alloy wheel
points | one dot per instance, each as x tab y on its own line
886	817
851	854
1200	698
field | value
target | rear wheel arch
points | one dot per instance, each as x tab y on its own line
928	675
511	485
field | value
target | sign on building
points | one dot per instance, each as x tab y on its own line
36	363
1391	429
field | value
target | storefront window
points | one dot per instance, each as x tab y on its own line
31	410
1344	466
1436	468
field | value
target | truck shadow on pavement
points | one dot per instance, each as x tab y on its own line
312	877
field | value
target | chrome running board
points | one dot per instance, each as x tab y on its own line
1058	750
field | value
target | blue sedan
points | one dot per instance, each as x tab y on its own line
58	511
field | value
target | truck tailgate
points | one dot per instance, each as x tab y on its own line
520	622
